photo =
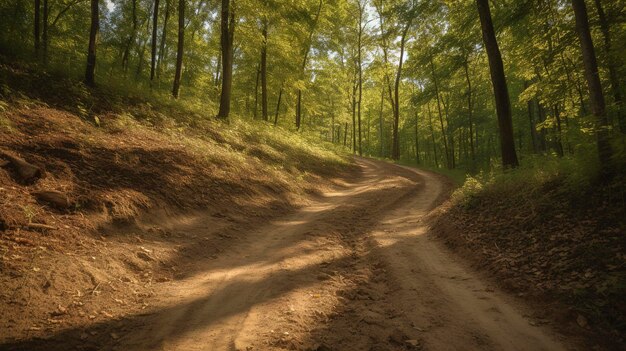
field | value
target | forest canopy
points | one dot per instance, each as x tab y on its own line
466	84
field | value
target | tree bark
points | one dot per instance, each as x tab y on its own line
354	89
470	109
381	124
91	52
432	135
264	72
228	33
395	150
380	9
417	144
36	29
131	38
501	92
163	37
443	129
155	20
180	49
596	95
304	62
44	34
280	95
531	122
611	65
256	91
360	72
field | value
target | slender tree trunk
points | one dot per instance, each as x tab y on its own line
360	71
131	37
256	91
596	95
451	144
91	52
531	122
417	144
381	126
163	37
501	92
611	65
470	112
432	135
264	72
280	95
228	33
180	48
440	112
155	20
44	34
218	69
542	134
304	62
37	22
332	122
395	151
354	88
380	9
345	135
559	132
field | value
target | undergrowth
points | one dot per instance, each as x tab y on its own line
552	229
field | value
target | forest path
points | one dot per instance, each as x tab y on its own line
355	270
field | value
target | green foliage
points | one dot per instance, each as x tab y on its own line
451	125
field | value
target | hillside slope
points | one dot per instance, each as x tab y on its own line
554	240
93	251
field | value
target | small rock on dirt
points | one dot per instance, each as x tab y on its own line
144	256
52	197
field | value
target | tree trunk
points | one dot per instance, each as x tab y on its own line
379	8
432	135
155	20
264	72
559	132
360	73
218	69
596	95
611	65
36	32
44	34
395	151
304	62
451	144
91	52
256	91
531	122
501	92
443	129
131	38
354	88
180	48
417	145
163	37
228	33
280	95
470	108
380	118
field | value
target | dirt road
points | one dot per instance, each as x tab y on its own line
356	270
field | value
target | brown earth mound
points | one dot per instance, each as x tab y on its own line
78	242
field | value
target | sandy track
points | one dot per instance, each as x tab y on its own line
356	270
